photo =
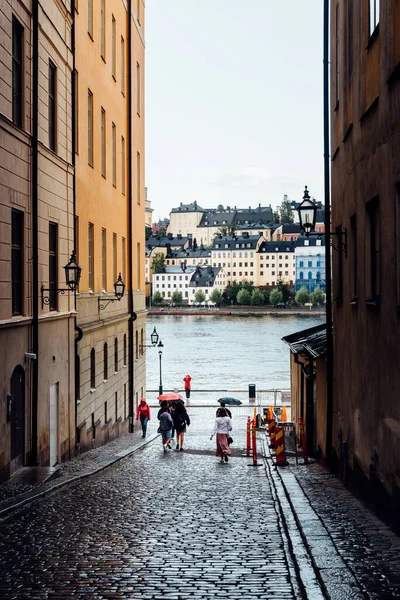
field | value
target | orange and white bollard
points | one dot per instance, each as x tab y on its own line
254	447
284	414
248	436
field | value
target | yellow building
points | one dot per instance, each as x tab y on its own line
110	217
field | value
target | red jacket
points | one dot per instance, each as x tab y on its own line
187	381
143	410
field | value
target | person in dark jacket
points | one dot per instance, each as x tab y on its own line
165	427
181	419
223	405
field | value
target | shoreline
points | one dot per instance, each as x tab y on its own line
236	312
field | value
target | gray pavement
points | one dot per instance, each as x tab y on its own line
155	526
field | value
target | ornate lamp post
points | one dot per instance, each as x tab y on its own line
119	289
160	387
72	278
155	341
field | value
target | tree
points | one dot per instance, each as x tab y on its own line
199	296
226	230
257	297
243	297
157	298
317	297
231	291
177	297
162	232
275	297
266	296
302	296
275	217
216	297
284	289
285	211
247	285
158	263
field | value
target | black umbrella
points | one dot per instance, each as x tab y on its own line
231	401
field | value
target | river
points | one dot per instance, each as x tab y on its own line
223	352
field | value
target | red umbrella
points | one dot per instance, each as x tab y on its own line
170	396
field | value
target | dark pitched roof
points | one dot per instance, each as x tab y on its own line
280	246
312	341
262	214
192	207
204	276
312	240
215	218
163	242
290	228
235	242
190	253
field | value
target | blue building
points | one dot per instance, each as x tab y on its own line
310	263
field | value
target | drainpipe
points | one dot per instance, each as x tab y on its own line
132	314
329	323
35	257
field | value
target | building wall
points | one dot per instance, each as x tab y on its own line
272	266
366	200
309	275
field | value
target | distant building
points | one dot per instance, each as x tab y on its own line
184	219
275	261
310	263
188	280
237	256
148	210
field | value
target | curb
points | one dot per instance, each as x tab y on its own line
55	485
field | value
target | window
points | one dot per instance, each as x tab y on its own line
122	65
138	177
116	406
103	29
309	275
309	263
103	142
113	49
105	362
116	355
301	263
104	259
137	344
125	397
90	128
115	256
90	18
53	266
52	106
90	256
301	275
105	413
141	342
373	15
125	349
17	260
373	247
114	155
123	259
123	164
92	369
138	88
17	72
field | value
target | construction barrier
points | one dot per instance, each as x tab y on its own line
271	432
254	445
303	440
248	436
280	454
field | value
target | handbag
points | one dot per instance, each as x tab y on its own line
230	440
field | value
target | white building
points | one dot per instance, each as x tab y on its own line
188	280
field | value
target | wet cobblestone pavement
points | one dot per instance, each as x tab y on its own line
181	525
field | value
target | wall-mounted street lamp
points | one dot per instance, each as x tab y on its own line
155	341
119	289
307	216
72	278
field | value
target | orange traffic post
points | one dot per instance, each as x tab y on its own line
270	413
280	447
271	432
254	447
248	436
303	440
254	417
284	414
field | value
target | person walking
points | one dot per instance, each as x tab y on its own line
165	427
143	413
223	405
222	427
187	379
180	419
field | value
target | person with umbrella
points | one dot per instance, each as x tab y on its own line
165	427
222	428
180	419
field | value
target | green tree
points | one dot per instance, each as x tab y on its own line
157	298
276	217
177	297
317	297
158	263
247	285
302	296
243	297
285	211
275	297
199	296
216	297
231	291
162	232
266	296
284	288
257	297
226	230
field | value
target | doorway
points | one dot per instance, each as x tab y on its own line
17	419
54	426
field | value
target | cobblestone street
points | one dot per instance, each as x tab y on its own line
181	525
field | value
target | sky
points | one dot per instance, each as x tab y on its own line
234	102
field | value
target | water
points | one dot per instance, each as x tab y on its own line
223	352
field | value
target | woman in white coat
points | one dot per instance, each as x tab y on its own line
222	429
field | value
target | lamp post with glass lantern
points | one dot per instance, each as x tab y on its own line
160	387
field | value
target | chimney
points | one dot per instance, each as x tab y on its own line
170	236
259	206
179	236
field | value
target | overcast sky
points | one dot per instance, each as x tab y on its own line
233	102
